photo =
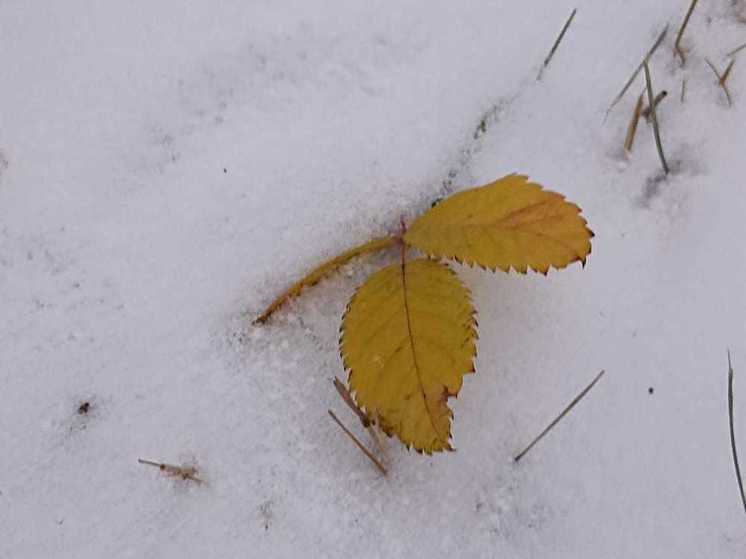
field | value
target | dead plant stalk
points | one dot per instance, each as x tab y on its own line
564	412
677	45
631	79
722	78
557	42
654	118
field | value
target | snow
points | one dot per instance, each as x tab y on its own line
166	169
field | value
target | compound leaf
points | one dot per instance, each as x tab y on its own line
508	223
408	337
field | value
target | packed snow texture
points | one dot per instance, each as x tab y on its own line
166	168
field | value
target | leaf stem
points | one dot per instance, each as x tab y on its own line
317	274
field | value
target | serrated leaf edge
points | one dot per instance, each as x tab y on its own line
474	327
471	264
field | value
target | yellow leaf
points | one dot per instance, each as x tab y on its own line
508	223
408	337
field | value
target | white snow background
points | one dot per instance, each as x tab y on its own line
166	168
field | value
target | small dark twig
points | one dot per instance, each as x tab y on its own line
560	416
732	432
654	118
556	43
360	445
723	77
677	45
683	88
650	53
736	50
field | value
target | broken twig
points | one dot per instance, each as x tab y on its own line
677	45
732	432
560	416
650	53
654	118
556	43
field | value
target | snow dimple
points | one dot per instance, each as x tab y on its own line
3	164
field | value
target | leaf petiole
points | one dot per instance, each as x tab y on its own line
317	274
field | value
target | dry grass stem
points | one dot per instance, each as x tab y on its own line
650	53
725	75
654	118
367	422
732	432
632	127
557	42
347	398
360	445
560	416
722	78
375	434
736	50
712	67
677	45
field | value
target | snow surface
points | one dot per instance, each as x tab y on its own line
167	168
